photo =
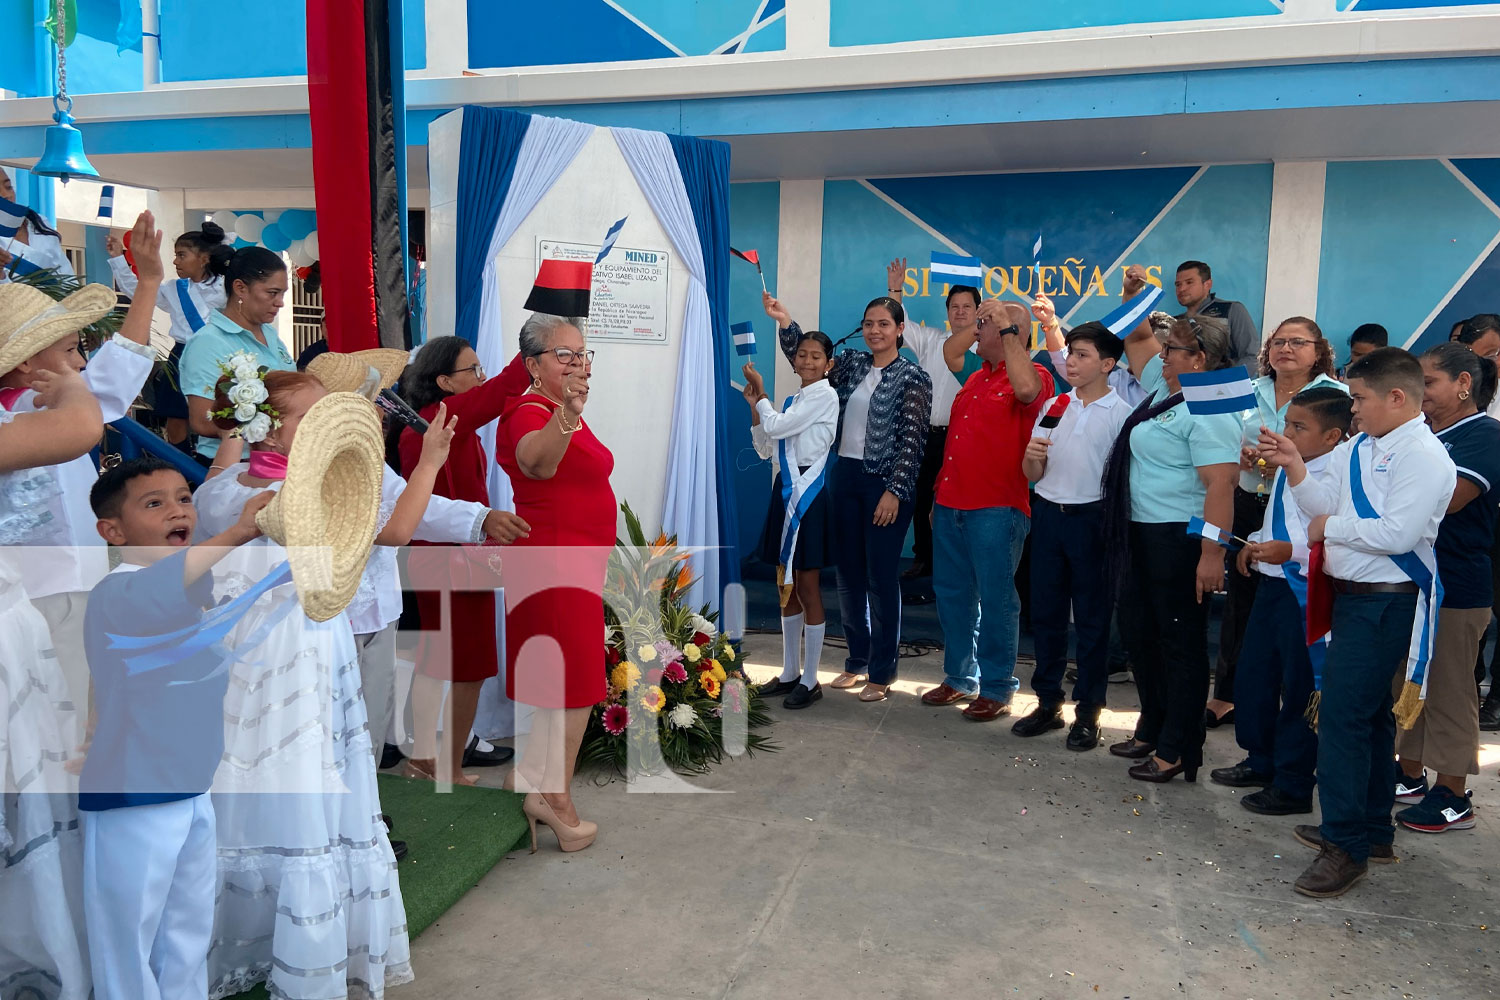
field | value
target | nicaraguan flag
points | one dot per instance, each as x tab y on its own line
1129	315
20	265
1224	391
11	217
956	269
744	338
609	240
107	202
1200	528
1036	250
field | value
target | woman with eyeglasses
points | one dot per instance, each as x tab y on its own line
1168	466
447	371
555	577
1295	357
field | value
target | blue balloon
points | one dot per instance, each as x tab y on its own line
296	223
274	238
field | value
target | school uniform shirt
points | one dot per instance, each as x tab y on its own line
44	250
1296	521
220	338
1125	384
160	730
986	439
926	343
1267	414
202	298
115	376
1408	478
808	425
1467	534
1080	446
1167	450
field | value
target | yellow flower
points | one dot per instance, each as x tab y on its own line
645	653
718	670
653	700
692	652
709	683
625	676
729	653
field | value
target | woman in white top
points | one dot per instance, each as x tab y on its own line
189	301
798	535
35	242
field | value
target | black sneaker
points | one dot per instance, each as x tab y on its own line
1039	720
1084	735
1441	810
778	687
1410	792
1273	801
1239	776
801	697
399	847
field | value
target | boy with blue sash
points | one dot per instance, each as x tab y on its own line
1278	669
1377	512
149	854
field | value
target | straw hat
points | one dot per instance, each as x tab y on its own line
32	321
351	372
326	512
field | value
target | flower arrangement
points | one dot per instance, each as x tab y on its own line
673	676
246	392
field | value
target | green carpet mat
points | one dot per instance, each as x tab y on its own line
454	839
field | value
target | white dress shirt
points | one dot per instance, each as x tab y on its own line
1296	521
808	425
115	375
44	251
1080	446
857	416
206	296
1409	480
926	343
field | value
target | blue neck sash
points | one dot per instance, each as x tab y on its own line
798	491
1296	576
190	311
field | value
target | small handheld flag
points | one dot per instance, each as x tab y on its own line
1203	529
1224	391
1054	413
752	257
20	265
609	240
956	269
562	288
1129	315
107	202
744	338
1036	250
12	217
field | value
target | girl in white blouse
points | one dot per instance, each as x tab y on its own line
35	242
798	534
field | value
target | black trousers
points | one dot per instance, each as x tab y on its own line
932	464
1249	512
1166	629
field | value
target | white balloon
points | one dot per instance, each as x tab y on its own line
272	214
298	252
224	219
310	245
248	228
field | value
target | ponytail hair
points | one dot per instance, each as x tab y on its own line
898	315
210	240
251	265
1454	359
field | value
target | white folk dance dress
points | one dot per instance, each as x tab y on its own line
42	953
308	896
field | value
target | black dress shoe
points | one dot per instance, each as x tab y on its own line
802	697
1084	735
391	756
1239	776
1151	771
1273	801
399	847
778	687
390	824
1132	750
1039	720
1213	721
475	757
1489	714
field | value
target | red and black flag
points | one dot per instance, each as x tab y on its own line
562	288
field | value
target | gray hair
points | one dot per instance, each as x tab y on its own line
537	332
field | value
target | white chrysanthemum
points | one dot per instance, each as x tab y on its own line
683	716
257	429
701	624
251	391
245	412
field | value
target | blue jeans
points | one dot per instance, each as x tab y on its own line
975	553
1272	688
1356	731
1070	574
868	560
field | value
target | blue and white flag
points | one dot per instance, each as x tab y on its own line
609	239
1202	529
107	202
20	265
1225	391
11	217
1129	315
744	338
955	269
1036	250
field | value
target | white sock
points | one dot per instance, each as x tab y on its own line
813	655
791	647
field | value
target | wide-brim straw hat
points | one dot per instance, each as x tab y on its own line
352	372
327	510
32	321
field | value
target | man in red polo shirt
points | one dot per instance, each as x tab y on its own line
983	512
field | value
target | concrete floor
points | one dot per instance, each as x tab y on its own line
898	850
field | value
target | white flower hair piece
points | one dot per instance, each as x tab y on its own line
249	405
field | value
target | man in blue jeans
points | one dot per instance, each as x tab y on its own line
983	512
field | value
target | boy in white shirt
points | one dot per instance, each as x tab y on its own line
1277	678
1377	509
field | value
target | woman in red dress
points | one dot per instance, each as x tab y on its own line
554	579
446	370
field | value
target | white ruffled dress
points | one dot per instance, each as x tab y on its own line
308	899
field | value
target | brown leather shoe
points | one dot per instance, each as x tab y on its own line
944	695
1333	873
986	710
1309	835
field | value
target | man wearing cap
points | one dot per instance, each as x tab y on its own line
1195	293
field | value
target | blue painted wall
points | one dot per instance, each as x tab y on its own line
754	224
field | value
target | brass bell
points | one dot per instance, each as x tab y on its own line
63	155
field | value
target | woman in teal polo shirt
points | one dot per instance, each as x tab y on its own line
255	283
1169	466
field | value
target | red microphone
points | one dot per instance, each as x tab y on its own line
1054	413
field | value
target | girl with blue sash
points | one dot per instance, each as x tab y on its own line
798	535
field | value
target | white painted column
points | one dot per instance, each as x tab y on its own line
807	24
1296	241
444	137
150	44
169	205
447	38
799	265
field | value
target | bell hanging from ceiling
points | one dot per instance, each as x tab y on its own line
63	155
